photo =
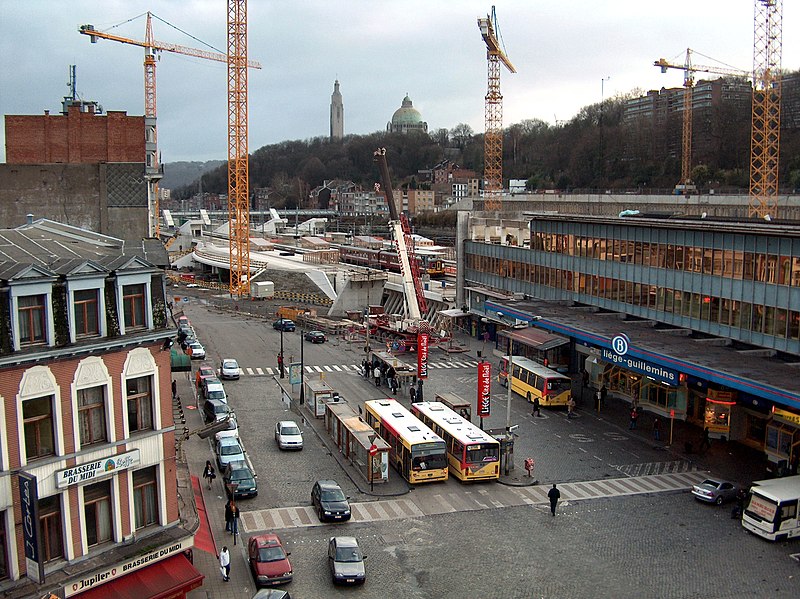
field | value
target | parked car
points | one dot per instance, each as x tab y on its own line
183	320
715	491
269	562
346	561
204	371
315	337
215	390
206	382
288	435
330	502
228	450
284	324
239	475
214	409
229	369
231	431
197	351
272	594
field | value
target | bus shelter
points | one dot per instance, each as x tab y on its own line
354	437
456	403
405	372
317	394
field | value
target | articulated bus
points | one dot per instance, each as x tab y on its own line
771	509
416	451
530	379
472	453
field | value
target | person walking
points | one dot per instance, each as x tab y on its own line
174	389
228	516
234	520
209	474
377	374
571	408
413	393
225	564
393	385
603	395
554	494
706	442
537	408
634	418
657	429
419	390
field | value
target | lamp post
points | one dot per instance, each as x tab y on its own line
280	361
508	380
302	360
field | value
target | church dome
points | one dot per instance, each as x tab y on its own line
406	118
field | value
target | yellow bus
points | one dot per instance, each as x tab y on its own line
417	452
472	453
530	379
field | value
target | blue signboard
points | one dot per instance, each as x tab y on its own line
29	505
634	364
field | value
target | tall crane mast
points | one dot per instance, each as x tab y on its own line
688	83
404	243
151	48
766	111
493	136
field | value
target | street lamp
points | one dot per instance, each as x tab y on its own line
280	357
302	360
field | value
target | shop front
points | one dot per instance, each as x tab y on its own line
782	444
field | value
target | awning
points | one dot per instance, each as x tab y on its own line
162	580
180	361
203	538
536	338
454	313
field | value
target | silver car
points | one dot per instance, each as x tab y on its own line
288	435
715	491
346	561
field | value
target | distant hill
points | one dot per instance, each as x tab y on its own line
179	174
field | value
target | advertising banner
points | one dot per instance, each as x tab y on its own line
97	468
422	355
484	388
29	504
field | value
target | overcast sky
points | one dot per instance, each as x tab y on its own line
378	49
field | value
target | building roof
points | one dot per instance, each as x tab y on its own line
406	114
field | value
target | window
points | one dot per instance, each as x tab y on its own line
92	415
86	313
140	404
50	521
97	511
3	551
133	306
37	415
145	497
32	319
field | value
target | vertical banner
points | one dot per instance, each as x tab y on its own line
29	504
422	355
484	388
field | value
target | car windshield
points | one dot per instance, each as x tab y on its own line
242	474
221	408
348	554
290	430
230	450
710	483
332	495
230	365
271	554
216	395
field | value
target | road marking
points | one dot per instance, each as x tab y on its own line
249	371
267	371
259	372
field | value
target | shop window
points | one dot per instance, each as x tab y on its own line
51	528
92	415
32	319
37	417
794	325
3	547
795	272
86	312
140	404
145	497
133	306
97	513
756	429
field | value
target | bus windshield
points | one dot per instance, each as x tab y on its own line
431	457
761	508
558	385
482	452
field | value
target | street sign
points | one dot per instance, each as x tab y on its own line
372	439
373	450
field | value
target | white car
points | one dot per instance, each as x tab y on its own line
231	431
198	351
229	369
288	435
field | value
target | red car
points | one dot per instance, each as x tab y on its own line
268	561
205	371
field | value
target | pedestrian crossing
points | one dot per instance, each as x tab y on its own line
466	499
354	368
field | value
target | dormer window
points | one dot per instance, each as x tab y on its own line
32	310
86	312
133	305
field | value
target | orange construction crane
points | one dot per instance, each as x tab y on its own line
766	114
151	47
689	70
493	137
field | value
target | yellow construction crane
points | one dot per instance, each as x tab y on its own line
493	137
686	184
151	48
766	112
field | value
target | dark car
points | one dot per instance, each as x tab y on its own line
346	561
315	337
284	324
330	502
214	409
239	476
268	561
715	491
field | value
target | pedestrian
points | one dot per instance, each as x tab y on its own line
234	520
585	379
365	368
413	393
554	494
634	417
635	397
570	407
419	391
657	429
536	408
209	474
377	374
280	364
706	442
597	397
393	385
174	389
603	394
225	564
228	516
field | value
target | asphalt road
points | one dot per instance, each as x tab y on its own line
648	544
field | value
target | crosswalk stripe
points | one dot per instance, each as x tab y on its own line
270	372
249	371
337	368
259	372
328	368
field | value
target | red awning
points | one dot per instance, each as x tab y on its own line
171	577
203	538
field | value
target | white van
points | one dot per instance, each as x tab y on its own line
771	510
216	391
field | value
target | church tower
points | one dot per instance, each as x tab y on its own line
337	113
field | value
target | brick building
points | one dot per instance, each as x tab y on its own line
87	441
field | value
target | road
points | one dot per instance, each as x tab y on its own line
626	527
